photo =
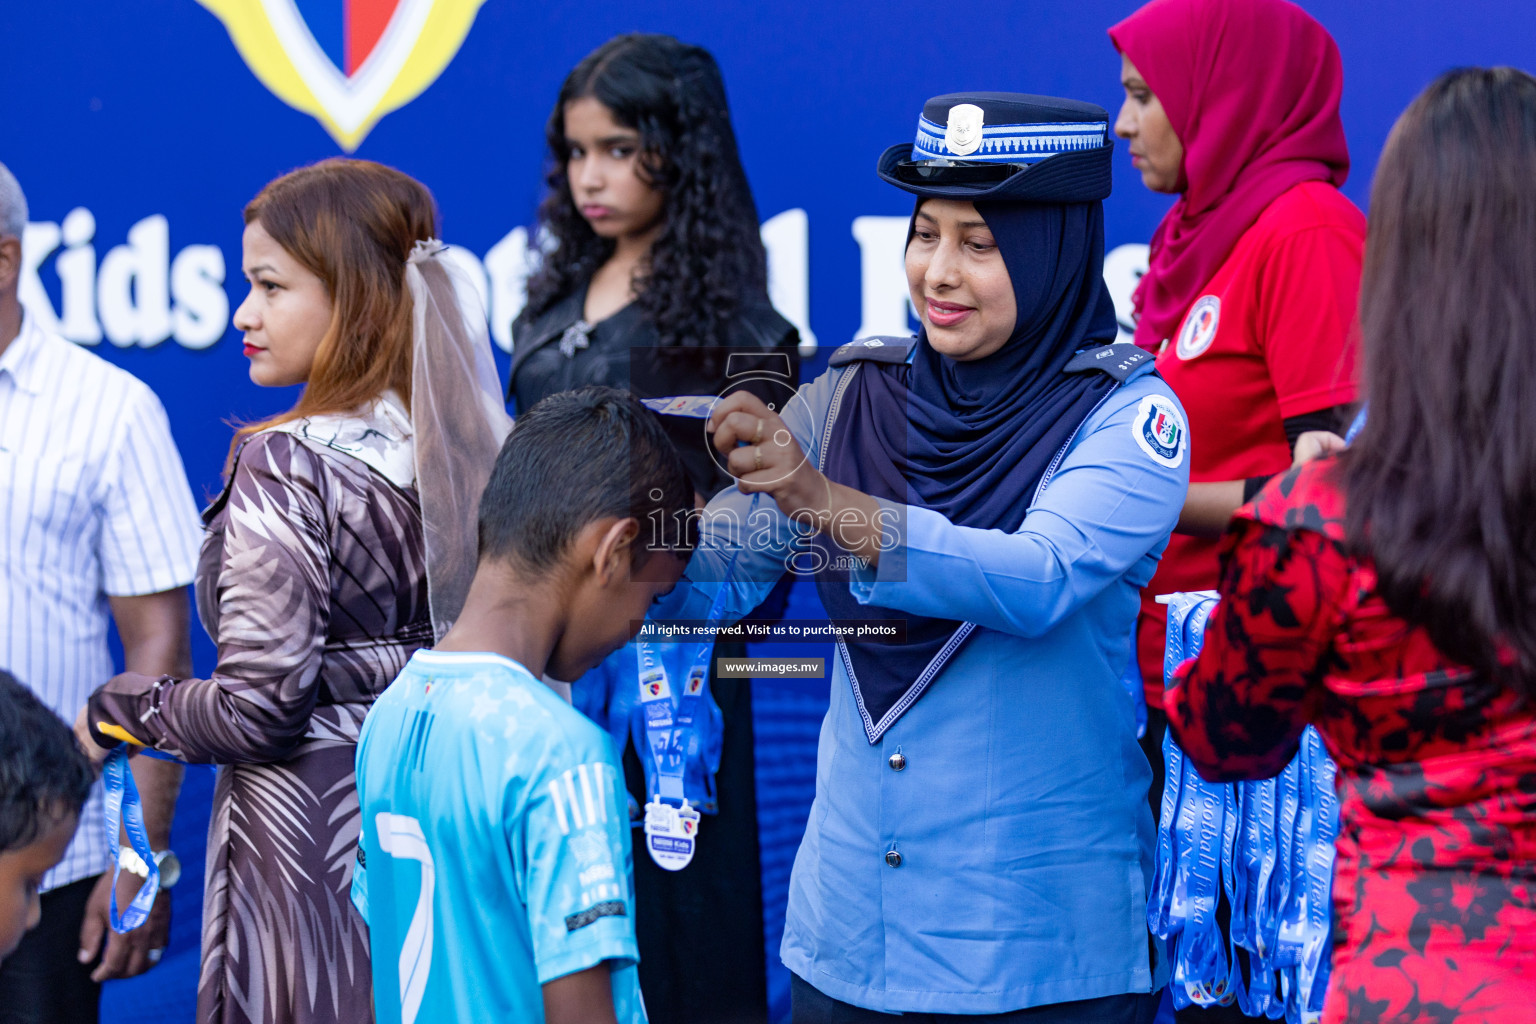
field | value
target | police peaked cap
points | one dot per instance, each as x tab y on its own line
1005	146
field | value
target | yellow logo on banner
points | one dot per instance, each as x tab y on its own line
346	62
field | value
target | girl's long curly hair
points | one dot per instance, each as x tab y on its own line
709	256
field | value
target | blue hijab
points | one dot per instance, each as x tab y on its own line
972	440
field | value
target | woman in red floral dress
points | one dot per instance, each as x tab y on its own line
1387	595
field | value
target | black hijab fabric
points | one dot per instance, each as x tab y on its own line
972	440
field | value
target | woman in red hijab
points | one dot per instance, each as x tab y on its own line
1249	299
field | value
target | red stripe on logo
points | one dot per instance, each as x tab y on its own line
366	22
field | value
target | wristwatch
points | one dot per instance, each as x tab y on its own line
167	861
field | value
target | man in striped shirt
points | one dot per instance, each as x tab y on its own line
96	523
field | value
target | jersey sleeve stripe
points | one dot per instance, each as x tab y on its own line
570	789
559	802
586	794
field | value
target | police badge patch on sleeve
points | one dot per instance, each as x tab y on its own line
1159	430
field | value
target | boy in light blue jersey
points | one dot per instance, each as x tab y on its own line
494	865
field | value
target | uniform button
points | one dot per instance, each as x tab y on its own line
897	761
893	858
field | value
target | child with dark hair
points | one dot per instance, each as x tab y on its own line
494	866
44	781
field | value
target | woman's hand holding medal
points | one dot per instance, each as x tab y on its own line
764	457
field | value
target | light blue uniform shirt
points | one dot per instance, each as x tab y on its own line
495	851
1020	814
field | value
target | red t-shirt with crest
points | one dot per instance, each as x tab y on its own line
1272	336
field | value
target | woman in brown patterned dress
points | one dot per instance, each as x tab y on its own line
313	583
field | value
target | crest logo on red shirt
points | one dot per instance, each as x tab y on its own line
1199	327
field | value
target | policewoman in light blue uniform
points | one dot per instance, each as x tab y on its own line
1001	486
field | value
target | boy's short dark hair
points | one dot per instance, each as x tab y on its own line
576	457
43	773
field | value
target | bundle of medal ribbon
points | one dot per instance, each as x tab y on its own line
1263	849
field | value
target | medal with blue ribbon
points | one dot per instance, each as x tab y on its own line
124	806
671	823
672	736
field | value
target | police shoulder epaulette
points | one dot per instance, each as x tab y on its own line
1121	360
873	350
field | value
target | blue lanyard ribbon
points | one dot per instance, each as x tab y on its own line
1317	941
1168	908
1200	964
1357	425
123	805
671	733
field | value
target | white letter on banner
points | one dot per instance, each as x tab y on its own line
787	237
133	290
202	305
38	240
884	299
76	267
508	265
